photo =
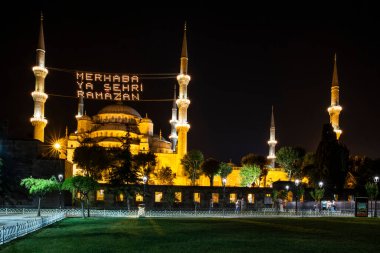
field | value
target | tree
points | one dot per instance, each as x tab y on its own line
123	169
249	174
372	190
317	194
210	168
39	187
192	162
258	160
93	159
332	159
169	198
224	170
165	176
81	187
291	160
145	163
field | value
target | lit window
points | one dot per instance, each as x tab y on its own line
268	195
178	197
197	197
215	198
139	198
120	197
251	198
100	195
157	196
233	197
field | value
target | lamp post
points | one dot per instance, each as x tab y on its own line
376	180
320	184
224	181
287	191
60	178
145	179
296	182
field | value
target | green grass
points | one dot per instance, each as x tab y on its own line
203	235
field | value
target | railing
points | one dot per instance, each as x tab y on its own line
8	233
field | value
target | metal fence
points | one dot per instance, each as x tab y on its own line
216	212
8	233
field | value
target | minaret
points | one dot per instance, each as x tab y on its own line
272	143
80	107
183	102
335	109
39	96
173	134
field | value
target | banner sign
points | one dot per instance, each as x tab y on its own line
118	87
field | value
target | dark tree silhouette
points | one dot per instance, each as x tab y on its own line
210	168
331	160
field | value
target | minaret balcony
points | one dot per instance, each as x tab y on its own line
271	157
182	77
335	108
39	96
38	120
272	142
182	125
40	70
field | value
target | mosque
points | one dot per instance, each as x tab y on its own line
111	123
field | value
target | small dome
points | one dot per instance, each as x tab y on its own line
145	120
119	108
83	117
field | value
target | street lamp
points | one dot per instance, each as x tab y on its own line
145	179
224	181
296	182
60	178
376	180
320	184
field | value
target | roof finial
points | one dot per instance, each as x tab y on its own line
184	43
160	134
146	115
41	39
335	81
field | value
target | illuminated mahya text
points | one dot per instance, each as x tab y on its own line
108	86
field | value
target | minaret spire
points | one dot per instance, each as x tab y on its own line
173	134
272	142
183	102
335	109
39	96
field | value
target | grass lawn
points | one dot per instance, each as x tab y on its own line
203	235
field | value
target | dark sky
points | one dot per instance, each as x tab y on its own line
242	60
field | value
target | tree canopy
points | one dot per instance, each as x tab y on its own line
93	159
249	174
291	160
210	168
165	176
224	170
81	186
192	162
39	187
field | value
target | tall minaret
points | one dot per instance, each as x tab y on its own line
39	96
335	109
272	143
183	102
173	134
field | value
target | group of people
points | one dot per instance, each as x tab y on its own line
239	205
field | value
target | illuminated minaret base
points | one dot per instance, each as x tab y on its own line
39	96
183	102
272	143
335	109
173	134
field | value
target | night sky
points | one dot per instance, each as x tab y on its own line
242	60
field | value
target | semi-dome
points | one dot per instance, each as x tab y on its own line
119	108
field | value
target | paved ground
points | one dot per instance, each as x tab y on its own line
11	219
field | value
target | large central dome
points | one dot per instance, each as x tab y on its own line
119	108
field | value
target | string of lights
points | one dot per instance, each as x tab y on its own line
141	100
143	75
